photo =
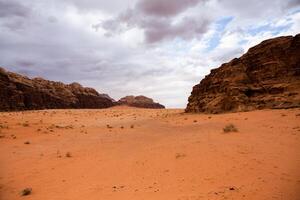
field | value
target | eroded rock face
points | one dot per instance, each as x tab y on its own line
21	93
140	102
267	76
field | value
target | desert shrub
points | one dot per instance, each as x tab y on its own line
109	126
68	155
180	155
26	191
230	128
25	124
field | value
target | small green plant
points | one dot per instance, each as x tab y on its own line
230	128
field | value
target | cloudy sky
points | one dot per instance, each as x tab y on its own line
158	48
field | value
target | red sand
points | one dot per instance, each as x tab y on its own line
165	155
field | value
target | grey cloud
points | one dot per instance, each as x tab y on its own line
165	8
106	6
153	18
293	3
188	28
10	8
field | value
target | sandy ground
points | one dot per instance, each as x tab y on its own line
125	153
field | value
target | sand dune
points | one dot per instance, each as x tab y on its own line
127	153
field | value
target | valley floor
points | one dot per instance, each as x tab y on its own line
126	153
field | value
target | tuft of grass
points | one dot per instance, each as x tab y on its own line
109	126
27	142
25	124
2	126
132	126
180	155
68	155
26	191
230	128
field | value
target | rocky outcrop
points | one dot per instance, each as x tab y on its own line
140	102
21	93
267	76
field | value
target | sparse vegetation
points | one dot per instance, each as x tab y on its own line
26	191
230	128
2	126
27	142
132	126
180	155
109	126
25	124
68	155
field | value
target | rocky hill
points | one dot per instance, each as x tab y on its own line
140	102
267	76
21	93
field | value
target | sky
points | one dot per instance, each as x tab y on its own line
156	48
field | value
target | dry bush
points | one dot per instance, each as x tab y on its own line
26	192
230	128
68	155
25	124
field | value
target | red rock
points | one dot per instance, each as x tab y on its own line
140	102
267	76
18	92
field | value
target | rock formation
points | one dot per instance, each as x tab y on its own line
21	93
140	102
267	76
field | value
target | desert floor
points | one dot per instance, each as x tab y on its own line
126	153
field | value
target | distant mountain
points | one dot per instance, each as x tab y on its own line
267	76
140	102
18	92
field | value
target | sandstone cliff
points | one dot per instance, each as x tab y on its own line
267	76
21	93
140	102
